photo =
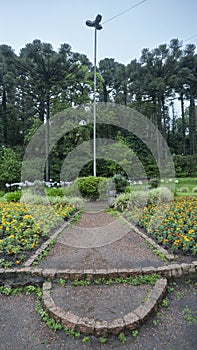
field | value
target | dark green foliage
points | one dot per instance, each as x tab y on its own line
54	192
89	187
105	168
120	183
13	196
40	82
10	167
185	165
154	183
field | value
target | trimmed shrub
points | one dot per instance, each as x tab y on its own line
89	187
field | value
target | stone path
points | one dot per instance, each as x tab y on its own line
100	241
99	246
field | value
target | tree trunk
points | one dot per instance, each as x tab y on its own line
192	126
5	121
183	121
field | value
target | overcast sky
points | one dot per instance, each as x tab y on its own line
63	21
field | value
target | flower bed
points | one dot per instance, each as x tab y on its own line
24	228
173	225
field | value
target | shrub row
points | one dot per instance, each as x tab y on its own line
140	199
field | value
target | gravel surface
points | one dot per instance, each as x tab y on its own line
100	302
99	241
171	328
21	328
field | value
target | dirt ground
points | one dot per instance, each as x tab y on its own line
170	328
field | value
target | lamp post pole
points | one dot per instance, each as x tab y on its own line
96	25
94	137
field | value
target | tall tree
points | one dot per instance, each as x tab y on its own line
8	87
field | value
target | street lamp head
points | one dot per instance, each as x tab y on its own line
96	23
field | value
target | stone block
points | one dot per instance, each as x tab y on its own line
86	325
69	320
101	328
49	273
112	273
116	326
142	312
65	274
46	286
131	321
165	271
100	273
148	270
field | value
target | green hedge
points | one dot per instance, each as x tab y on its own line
89	187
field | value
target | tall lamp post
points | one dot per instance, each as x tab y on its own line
97	26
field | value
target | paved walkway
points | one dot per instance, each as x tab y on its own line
100	241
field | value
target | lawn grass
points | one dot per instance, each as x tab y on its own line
186	186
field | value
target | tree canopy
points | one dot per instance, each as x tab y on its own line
39	82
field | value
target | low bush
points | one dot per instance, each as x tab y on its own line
140	199
54	192
120	183
72	190
28	197
70	201
13	196
121	202
159	195
1	193
89	187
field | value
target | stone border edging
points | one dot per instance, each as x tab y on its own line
168	256
26	275
33	257
100	328
30	261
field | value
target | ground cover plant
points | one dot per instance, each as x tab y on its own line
24	228
173	224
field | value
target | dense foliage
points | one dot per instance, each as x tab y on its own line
39	82
90	187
